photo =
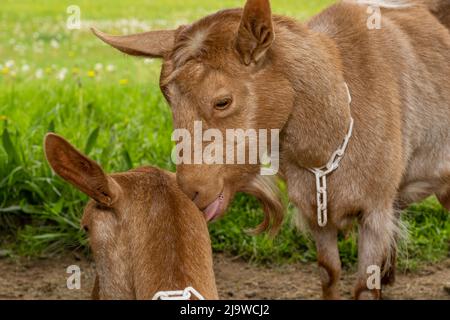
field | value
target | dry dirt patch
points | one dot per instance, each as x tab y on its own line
46	279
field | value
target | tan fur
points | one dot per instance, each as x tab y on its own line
151	238
398	77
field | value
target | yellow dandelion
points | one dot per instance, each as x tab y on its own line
123	81
91	73
5	70
3	118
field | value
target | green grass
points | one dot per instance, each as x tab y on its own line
120	119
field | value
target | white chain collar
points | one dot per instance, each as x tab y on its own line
178	295
322	173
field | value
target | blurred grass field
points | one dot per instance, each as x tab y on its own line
109	105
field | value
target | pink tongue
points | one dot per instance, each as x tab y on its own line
212	210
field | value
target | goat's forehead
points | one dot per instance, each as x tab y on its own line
191	45
189	79
207	37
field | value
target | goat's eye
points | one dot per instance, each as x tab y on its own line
223	103
86	228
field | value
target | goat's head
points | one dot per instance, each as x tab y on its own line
144	232
221	72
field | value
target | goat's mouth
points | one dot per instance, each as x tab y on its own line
215	208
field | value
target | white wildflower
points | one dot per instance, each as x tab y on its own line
110	68
25	68
98	67
9	64
54	44
39	73
62	74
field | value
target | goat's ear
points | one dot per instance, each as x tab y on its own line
153	44
255	34
82	172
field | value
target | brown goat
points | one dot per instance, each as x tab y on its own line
441	9
145	234
249	69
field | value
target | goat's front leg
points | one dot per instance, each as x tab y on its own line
95	295
377	232
328	259
390	264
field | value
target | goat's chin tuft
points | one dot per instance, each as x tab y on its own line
265	189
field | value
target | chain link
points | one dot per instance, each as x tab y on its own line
322	173
185	294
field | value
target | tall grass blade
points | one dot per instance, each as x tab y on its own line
92	139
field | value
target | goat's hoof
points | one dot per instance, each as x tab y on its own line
447	287
366	294
388	279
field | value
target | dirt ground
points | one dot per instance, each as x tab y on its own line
46	279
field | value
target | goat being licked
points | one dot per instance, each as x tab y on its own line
145	234
250	69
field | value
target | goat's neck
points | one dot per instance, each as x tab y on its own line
320	117
183	259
